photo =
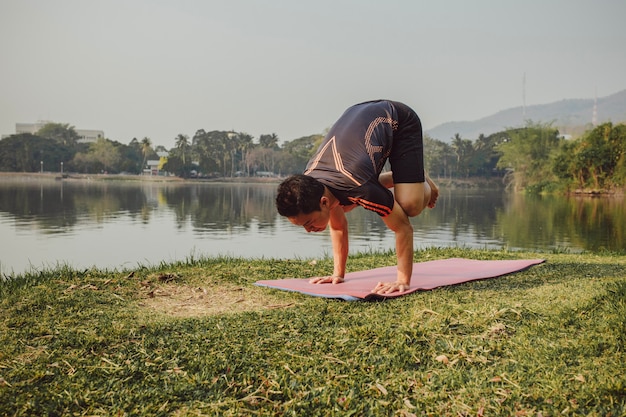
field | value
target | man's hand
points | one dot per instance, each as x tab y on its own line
334	279
389	287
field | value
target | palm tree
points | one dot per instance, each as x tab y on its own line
245	144
146	147
182	143
269	141
463	149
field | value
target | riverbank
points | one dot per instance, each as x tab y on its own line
199	338
454	183
55	176
491	183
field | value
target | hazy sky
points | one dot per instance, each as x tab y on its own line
157	68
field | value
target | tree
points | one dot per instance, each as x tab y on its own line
130	157
486	155
595	160
202	151
269	141
103	156
146	149
209	148
31	153
230	144
464	150
262	159
63	134
296	153
183	146
619	136
437	157
564	165
244	145
601	150
106	153
85	162
529	153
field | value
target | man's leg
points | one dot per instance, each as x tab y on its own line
412	197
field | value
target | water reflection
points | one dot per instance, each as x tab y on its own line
58	206
589	223
108	223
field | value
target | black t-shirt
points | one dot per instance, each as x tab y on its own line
353	154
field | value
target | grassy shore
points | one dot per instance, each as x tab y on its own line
198	338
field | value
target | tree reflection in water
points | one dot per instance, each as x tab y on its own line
158	219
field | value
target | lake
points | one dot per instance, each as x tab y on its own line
113	224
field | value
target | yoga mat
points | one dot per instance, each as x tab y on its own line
426	276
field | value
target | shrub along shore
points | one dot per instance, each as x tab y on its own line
198	338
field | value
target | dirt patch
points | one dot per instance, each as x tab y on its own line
179	300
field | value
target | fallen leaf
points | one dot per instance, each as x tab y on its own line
408	404
443	359
382	389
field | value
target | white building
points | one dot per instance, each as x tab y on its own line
85	135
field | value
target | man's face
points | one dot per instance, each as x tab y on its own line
312	222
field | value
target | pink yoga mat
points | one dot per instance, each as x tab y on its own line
426	276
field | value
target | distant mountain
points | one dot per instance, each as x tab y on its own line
570	116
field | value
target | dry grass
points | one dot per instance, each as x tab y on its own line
185	301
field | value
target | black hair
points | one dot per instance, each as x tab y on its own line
299	194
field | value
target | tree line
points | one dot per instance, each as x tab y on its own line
534	158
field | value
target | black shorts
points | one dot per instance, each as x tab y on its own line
407	150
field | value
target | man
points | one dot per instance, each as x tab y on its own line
346	171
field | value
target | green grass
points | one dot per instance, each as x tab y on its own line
198	338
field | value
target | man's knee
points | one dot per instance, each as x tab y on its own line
413	198
412	208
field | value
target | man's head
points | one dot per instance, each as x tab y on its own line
301	199
299	194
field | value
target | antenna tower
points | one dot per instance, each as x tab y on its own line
594	116
524	98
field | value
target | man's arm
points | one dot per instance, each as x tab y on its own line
399	223
339	237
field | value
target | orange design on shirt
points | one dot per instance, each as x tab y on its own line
382	210
336	157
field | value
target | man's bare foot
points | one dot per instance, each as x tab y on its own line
434	192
